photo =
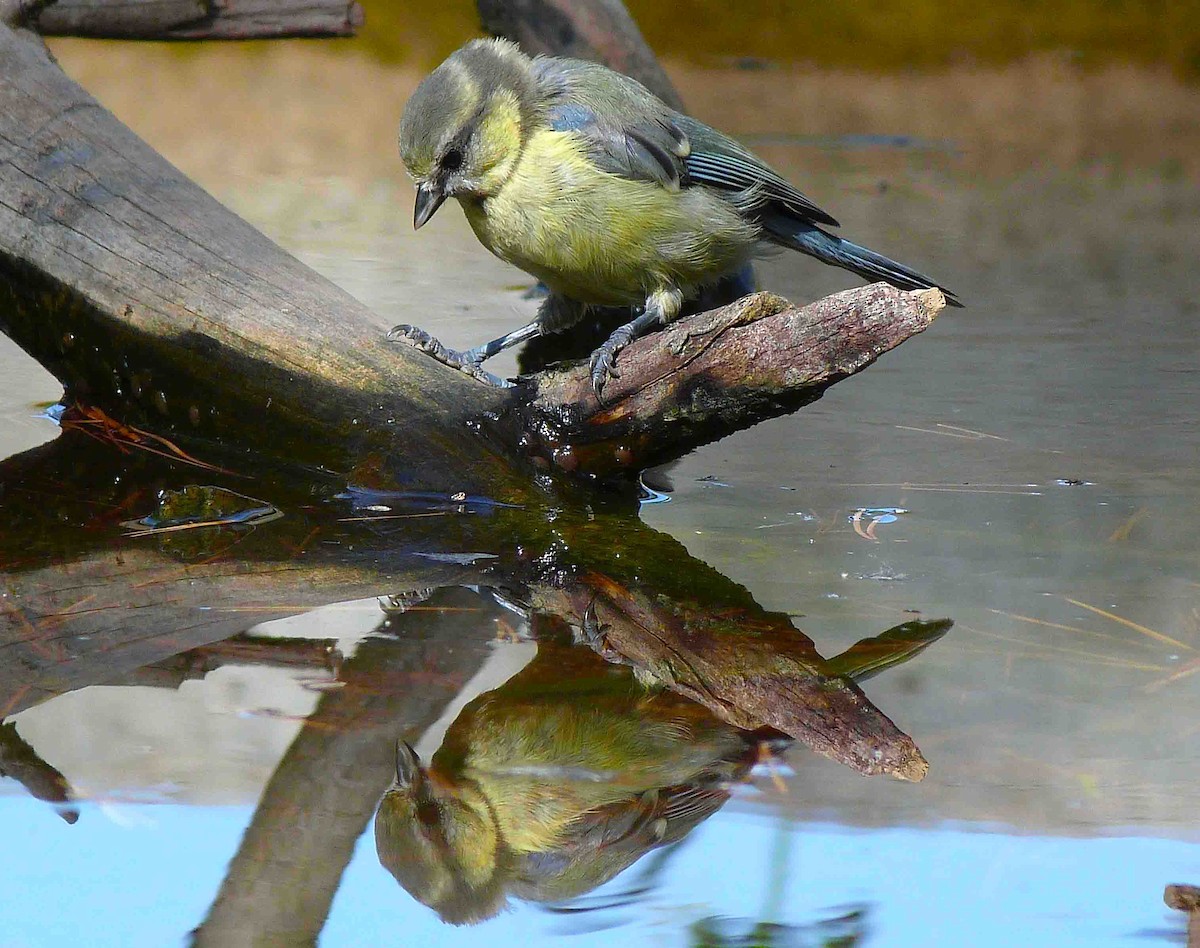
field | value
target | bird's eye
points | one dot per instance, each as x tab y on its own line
453	159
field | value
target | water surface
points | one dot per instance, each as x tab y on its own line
1026	468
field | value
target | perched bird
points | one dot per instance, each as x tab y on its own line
583	178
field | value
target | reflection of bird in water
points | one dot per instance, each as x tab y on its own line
552	784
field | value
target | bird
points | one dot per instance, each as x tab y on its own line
586	180
552	784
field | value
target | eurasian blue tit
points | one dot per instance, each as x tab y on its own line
583	178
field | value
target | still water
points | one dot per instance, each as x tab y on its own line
1026	468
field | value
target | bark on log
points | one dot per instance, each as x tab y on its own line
717	372
196	19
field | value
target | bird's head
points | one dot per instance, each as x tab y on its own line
466	123
442	844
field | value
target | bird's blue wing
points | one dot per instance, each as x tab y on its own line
631	132
627	131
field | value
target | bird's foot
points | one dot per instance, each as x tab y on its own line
604	359
592	632
467	362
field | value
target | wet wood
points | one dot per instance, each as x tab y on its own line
147	298
729	368
195	19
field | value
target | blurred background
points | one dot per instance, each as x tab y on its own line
1030	461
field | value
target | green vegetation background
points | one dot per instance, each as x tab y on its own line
882	35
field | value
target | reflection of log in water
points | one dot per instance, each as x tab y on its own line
753	669
242	649
87	605
280	884
573	769
1186	898
21	762
94	607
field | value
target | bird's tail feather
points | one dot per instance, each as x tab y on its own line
868	264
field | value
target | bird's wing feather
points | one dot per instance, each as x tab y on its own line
631	132
720	162
627	130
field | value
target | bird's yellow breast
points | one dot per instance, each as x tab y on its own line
600	238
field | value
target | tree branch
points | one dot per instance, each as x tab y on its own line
715	373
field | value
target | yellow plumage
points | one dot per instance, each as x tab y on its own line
593	236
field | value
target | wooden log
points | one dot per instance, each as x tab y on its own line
146	297
699	378
196	19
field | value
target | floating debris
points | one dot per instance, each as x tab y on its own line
197	506
866	519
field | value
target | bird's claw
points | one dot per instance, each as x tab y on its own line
591	631
604	360
463	361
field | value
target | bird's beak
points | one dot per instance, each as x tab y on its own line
429	199
408	765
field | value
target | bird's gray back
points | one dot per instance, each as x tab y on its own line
631	132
